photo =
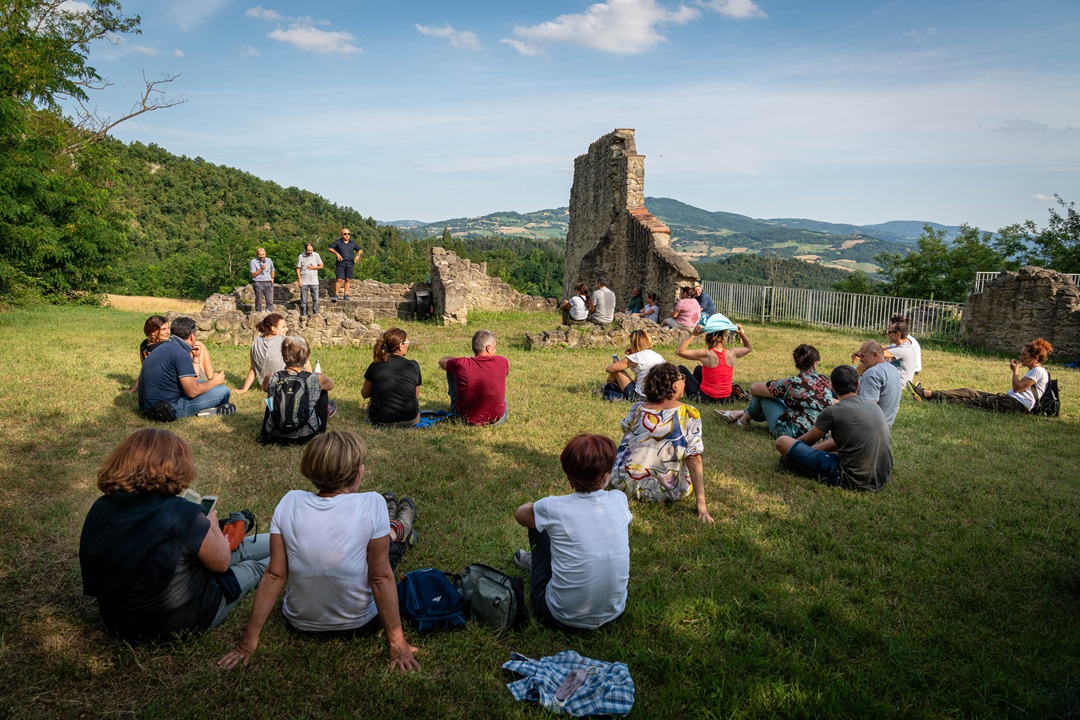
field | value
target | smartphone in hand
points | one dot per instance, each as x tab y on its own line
208	503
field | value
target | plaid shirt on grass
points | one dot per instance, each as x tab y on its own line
607	689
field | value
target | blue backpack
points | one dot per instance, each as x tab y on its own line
430	600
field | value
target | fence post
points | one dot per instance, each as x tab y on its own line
764	299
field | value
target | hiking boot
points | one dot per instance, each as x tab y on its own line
226	409
523	559
410	540
391	504
406	515
333	298
917	391
346	298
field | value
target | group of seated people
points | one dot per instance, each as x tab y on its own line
599	308
177	380
158	566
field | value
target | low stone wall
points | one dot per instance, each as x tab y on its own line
1017	307
614	335
368	299
458	285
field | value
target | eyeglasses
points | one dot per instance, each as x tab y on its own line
404	342
345	234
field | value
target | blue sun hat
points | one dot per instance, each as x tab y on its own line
718	322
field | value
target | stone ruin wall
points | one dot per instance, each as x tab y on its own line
1017	307
615	335
611	232
456	285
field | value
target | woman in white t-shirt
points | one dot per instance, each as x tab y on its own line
1021	398
651	311
640	357
334	547
576	310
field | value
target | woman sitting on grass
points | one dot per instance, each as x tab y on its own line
156	564
266	350
1021	398
791	405
156	328
640	357
308	392
392	382
579	561
337	548
659	458
711	380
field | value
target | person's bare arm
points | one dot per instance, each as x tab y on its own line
444	360
618	366
811	436
696	355
1019	382
697	479
193	388
325	383
270	587
760	389
525	516
384	589
214	552
365	391
747	347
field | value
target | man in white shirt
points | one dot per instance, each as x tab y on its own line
901	352
603	301
308	265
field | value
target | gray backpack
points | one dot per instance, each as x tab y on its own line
494	599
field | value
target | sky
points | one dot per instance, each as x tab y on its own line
858	111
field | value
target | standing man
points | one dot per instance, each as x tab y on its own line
308	265
708	307
346	253
861	458
168	377
262	277
477	384
603	303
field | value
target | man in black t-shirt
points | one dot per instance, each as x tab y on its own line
346	253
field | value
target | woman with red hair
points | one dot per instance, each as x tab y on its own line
1021	398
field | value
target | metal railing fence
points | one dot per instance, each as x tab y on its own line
981	278
929	319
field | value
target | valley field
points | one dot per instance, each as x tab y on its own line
952	593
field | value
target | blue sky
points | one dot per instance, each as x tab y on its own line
841	110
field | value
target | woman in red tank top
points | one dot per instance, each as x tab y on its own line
711	380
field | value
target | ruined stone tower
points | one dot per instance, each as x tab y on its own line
611	233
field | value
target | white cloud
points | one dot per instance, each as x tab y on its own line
74	7
262	13
1020	126
464	39
143	50
178	53
322	42
192	13
623	27
736	9
1041	198
247	51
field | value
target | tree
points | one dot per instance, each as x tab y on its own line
58	226
857	282
1057	246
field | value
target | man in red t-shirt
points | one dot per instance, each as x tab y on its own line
477	384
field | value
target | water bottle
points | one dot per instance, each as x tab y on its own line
318	367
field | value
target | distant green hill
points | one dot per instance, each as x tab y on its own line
770	270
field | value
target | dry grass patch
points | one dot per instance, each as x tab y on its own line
152	305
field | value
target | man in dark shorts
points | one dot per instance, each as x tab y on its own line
477	384
346	252
863	456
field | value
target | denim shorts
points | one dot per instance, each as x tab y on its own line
818	464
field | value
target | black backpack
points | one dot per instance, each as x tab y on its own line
494	599
291	400
1049	403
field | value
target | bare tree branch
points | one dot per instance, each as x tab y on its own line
94	128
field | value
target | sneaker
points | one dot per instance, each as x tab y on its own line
333	298
226	409
331	408
917	391
346	298
391	504
406	515
523	559
207	412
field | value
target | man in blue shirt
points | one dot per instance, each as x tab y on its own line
168	376
262	277
346	253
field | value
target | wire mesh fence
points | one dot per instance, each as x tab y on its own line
929	319
981	278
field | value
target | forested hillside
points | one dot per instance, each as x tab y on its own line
194	225
771	270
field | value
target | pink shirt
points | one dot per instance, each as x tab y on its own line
689	312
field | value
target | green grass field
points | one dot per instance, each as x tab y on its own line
952	593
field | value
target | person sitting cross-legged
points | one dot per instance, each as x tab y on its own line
336	548
640	358
710	382
579	563
477	384
298	403
168	378
862	459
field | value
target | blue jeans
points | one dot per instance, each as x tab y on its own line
313	292
212	398
451	390
247	564
766	410
817	464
